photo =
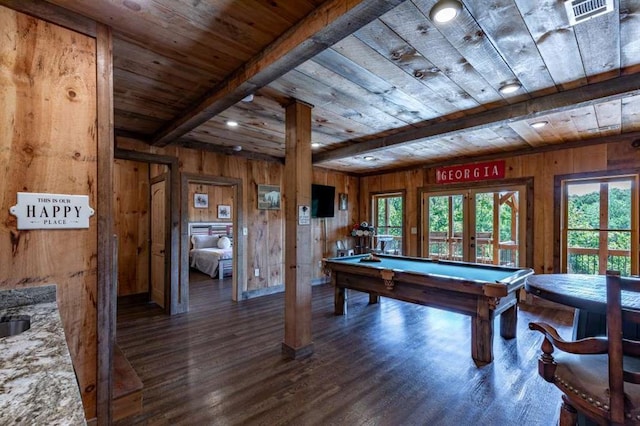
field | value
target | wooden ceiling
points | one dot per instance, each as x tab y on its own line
384	80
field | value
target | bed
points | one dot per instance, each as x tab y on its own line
211	250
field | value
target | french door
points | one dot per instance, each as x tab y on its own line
483	225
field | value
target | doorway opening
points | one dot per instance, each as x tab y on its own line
212	230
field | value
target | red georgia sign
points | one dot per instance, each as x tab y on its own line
471	172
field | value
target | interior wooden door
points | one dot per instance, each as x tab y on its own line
158	241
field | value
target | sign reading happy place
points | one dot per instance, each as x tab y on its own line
52	211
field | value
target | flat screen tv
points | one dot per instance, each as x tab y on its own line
323	200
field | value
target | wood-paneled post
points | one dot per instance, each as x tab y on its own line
298	254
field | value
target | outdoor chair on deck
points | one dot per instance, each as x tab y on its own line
598	376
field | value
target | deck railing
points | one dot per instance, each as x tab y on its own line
582	260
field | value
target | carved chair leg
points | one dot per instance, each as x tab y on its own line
568	415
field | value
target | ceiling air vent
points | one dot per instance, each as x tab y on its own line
583	10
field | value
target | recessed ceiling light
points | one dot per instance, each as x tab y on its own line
315	145
539	124
507	88
445	11
232	123
369	158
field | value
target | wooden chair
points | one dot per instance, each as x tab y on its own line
598	376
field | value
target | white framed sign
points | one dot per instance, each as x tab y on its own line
304	215
52	211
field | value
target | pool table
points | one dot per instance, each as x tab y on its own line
478	290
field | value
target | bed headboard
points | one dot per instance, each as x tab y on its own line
211	228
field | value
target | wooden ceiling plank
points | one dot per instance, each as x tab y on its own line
548	25
631	114
503	25
409	23
410	108
599	42
609	116
330	22
584	122
365	56
629	35
527	133
469	39
305	88
443	95
618	88
381	99
139	60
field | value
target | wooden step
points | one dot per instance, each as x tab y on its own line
127	387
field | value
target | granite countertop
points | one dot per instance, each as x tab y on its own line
37	381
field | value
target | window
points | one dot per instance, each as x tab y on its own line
599	225
388	219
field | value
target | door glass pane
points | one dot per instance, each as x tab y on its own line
388	223
509	226
484	227
619	205
583	202
445	226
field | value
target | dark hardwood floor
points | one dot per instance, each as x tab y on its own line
393	363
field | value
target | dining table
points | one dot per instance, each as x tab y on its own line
586	293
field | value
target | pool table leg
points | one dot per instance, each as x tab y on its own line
482	334
374	298
340	301
509	322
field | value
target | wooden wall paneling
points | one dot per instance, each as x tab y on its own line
48	144
622	155
190	160
174	285
131	225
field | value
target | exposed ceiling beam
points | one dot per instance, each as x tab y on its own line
533	108
326	25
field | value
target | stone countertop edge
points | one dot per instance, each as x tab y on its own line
37	382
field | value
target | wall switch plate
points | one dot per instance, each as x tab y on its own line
245	231
256	272
414	230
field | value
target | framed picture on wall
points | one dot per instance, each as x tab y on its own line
342	201
224	211
269	197
200	201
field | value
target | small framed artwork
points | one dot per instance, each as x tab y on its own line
269	197
224	211
201	201
342	202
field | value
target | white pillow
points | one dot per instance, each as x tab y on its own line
204	241
224	243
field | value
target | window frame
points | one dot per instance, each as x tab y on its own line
401	193
560	248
